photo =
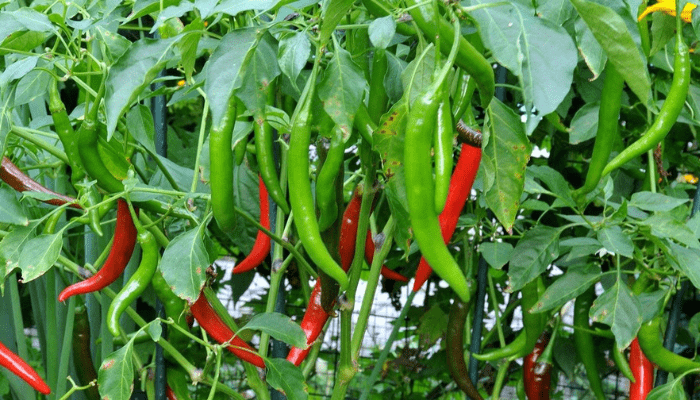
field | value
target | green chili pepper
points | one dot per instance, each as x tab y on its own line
622	364
239	150
266	160
420	187
221	168
364	124
298	178
65	131
376	104
326	181
443	138
583	340
651	342
463	98
468	58
667	115
82	359
174	308
138	281
608	120
94	213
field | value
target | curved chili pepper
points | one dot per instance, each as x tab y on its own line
261	248
454	347
210	321
537	375
302	201
266	160
643	371
460	187
138	281
65	132
622	364
19	181
19	367
669	112
583	341
119	255
82	359
651	342
221	168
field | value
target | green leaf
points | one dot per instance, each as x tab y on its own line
532	255
433	325
333	11
133	72
22	41
506	152
516	38
388	142
669	391
294	51
381	31
11	212
649	201
279	326
17	70
615	241
260	70
496	254
618	308
40	254
694	327
171	12
115	379
188	46
554	181
33	20
341	90
233	7
593	55
140	122
184	264
11	246
31	86
575	281
686	261
612	34
584	124
115	43
222	69
287	378
665	225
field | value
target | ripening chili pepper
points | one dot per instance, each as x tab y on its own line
369	256
19	181
420	187
261	248
65	132
82	359
212	323
651	342
607	133
444	136
583	341
643	371
19	367
266	157
537	375
150	250
468	58
454	347
312	324
460	187
669	112
221	168
119	255
302	202
325	181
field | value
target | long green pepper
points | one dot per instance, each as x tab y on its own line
420	186
444	135
302	202
583	341
221	168
65	132
325	181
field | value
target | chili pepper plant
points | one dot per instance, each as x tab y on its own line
521	178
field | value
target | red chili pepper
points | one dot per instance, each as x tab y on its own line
19	181
314	320
170	394
460	187
119	255
217	329
643	371
19	367
386	272
537	376
261	248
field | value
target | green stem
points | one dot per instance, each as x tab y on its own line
200	143
51	331
60	385
500	379
27	135
496	310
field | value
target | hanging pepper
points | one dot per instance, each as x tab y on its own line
82	359
119	255
454	347
65	132
643	371
583	341
221	168
261	248
19	181
19	367
537	374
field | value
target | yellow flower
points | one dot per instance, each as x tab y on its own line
669	7
181	82
690	178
